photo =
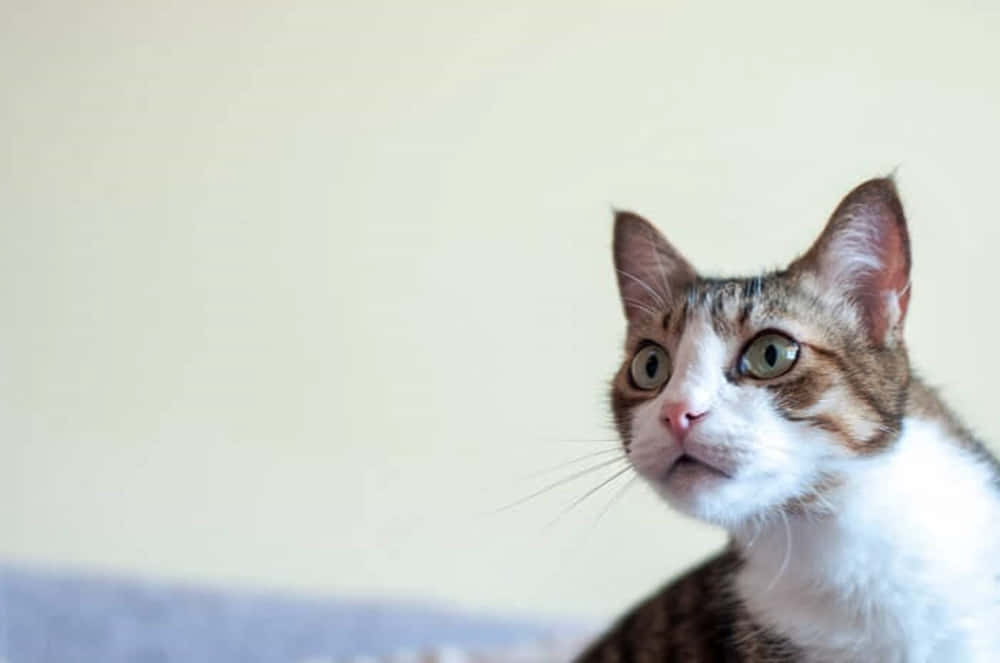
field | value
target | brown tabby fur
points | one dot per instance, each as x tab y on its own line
695	619
845	350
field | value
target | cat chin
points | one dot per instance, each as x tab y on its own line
706	494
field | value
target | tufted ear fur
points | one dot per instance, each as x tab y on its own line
651	272
863	255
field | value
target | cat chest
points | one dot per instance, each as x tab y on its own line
905	614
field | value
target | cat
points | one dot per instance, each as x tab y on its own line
864	518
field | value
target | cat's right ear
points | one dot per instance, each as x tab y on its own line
651	272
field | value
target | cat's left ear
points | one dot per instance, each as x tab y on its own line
651	272
863	254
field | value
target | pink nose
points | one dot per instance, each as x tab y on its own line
680	416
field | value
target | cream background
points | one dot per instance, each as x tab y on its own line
299	294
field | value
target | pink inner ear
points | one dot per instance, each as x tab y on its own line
897	271
892	278
864	254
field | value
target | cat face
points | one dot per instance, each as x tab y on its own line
740	397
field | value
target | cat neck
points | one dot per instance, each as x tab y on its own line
908	552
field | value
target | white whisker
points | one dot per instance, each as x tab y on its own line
556	484
659	262
643	284
587	494
574	461
636	303
616	497
788	553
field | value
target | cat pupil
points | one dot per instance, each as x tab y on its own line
771	355
651	365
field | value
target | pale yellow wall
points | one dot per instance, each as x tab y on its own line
299	294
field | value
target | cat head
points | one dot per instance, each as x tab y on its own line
739	397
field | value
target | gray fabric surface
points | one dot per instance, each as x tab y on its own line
69	617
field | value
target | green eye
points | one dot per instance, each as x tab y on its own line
769	355
650	367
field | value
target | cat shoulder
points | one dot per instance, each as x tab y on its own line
695	618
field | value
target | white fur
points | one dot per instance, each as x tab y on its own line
899	563
770	460
904	569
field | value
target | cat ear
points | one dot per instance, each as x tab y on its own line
651	273
864	255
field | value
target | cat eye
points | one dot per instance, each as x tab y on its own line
650	367
769	355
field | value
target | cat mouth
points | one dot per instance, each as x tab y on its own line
686	463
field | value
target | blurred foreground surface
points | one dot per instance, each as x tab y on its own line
69	618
